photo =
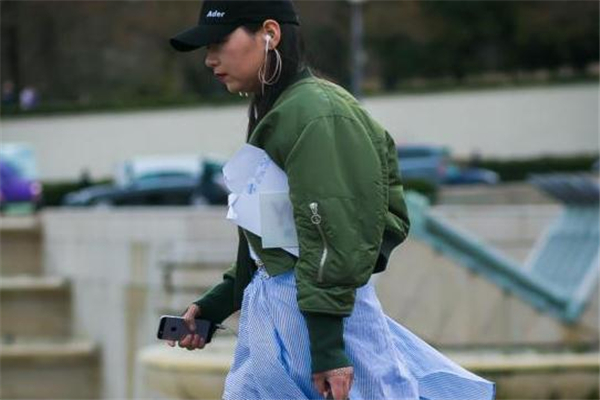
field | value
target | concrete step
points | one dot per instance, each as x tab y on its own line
34	307
503	193
50	370
535	374
19	223
177	373
20	246
180	374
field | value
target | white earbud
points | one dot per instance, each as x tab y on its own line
268	37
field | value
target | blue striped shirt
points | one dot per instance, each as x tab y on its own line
272	357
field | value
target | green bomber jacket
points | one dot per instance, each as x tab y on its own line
348	207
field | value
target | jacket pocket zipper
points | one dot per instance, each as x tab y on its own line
316	220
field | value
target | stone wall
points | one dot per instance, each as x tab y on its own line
116	262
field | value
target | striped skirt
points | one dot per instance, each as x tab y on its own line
272	358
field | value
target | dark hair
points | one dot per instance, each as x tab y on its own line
291	48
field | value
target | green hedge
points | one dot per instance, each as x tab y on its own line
423	187
517	170
133	103
120	106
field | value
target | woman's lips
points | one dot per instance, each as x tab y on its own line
221	77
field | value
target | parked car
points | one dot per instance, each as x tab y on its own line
17	177
423	162
456	175
92	195
140	167
159	188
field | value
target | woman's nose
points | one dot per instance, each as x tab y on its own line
211	60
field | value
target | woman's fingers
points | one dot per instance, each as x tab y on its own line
190	317
197	342
349	385
190	321
350	381
338	382
202	342
340	386
171	343
320	383
192	342
185	341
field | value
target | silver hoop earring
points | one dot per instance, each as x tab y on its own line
263	69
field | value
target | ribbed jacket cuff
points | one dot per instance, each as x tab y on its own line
326	333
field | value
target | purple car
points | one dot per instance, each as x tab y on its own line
16	188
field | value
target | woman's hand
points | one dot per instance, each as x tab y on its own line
190	341
336	381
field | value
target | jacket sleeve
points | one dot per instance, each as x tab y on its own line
397	223
226	298
339	200
218	303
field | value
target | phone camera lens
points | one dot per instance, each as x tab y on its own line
173	329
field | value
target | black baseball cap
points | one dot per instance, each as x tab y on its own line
219	18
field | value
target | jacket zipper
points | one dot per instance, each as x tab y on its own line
316	220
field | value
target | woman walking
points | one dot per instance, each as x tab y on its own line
311	325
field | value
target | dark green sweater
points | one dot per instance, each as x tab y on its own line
325	330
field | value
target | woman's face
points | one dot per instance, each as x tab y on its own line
236	60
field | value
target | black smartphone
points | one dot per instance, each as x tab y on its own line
172	327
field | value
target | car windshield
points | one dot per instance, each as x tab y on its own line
164	175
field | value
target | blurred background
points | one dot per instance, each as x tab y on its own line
113	200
